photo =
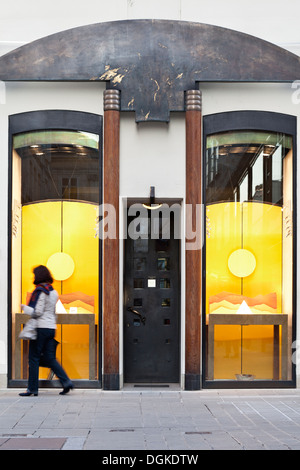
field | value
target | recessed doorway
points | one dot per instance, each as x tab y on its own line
152	297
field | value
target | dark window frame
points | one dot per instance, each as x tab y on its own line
47	120
256	121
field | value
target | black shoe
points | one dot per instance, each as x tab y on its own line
66	389
28	394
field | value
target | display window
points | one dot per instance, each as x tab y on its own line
55	204
249	255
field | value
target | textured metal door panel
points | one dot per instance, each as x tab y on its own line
151	310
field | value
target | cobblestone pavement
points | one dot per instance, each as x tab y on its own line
154	419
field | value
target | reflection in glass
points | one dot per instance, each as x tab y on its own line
140	245
243	189
164	284
139	264
257	156
249	196
162	245
257	179
138	283
58	165
163	264
166	302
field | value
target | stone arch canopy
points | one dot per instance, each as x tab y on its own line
152	62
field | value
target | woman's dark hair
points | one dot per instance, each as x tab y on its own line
42	274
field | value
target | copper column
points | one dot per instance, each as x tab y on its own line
111	245
193	256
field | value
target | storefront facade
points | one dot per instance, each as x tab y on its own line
197	290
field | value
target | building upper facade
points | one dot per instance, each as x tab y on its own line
152	62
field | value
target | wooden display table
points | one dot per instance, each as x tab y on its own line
275	319
61	319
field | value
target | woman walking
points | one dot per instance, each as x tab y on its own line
42	308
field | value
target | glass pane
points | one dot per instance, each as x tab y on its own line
249	255
58	165
162	245
243	188
257	178
140	245
163	264
164	284
55	208
139	264
138	283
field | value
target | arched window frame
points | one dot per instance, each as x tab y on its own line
256	121
47	120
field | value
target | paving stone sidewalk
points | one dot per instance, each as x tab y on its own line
154	419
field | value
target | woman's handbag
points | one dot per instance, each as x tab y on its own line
29	330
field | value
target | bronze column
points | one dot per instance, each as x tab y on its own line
193	252
111	245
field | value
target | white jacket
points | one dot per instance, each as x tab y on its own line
44	311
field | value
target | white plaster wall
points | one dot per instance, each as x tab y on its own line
152	154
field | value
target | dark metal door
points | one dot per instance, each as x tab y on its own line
151	310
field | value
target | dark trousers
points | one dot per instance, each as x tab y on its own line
44	344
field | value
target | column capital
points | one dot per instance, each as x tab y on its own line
193	100
111	100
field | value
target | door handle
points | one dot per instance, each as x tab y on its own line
135	312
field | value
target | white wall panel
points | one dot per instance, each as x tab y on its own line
273	20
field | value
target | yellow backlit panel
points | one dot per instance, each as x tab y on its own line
67	227
41	237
